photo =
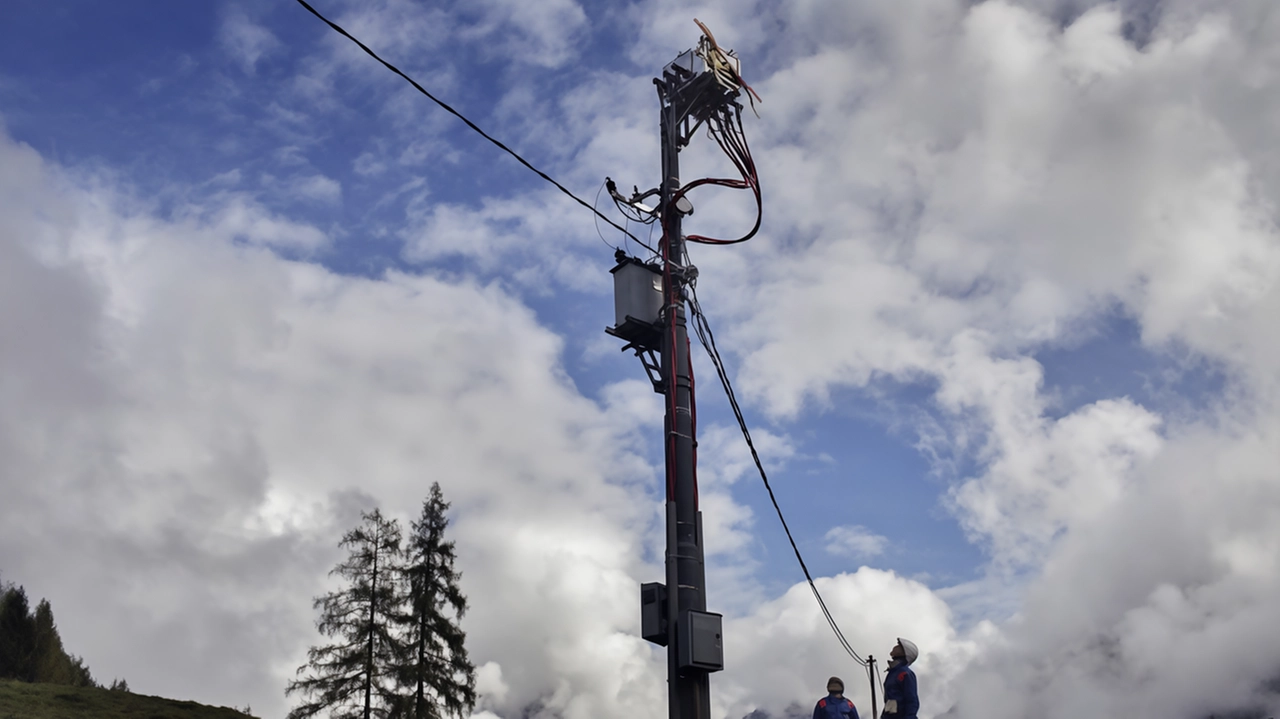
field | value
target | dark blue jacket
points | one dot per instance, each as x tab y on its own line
900	684
834	707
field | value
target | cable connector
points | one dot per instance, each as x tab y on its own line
684	274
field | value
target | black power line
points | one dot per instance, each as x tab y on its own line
708	340
338	28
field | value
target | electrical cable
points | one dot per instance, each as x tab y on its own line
338	28
693	415
705	336
737	77
597	220
671	299
635	215
728	133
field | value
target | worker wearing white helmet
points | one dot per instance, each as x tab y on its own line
901	701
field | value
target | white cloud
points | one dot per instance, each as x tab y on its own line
245	41
855	541
510	236
368	164
1150	588
316	188
243	218
548	33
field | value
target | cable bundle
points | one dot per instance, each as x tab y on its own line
725	127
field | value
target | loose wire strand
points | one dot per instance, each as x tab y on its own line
596	220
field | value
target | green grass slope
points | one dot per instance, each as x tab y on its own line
19	700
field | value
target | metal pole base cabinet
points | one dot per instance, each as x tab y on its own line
700	636
701	641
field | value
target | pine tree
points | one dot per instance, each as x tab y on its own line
357	669
436	667
50	662
17	636
80	674
30	647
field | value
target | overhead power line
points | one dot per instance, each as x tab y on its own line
338	29
708	340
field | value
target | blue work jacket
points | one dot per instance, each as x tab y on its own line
834	707
900	685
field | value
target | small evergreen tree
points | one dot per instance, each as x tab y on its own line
51	665
357	668
436	667
119	685
31	649
80	675
17	636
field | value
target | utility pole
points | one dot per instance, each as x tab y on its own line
689	695
649	300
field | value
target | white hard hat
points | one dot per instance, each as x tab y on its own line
909	650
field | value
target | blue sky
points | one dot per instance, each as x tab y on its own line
1013	280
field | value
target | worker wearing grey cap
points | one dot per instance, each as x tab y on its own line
901	700
835	705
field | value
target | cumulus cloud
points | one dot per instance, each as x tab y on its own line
315	188
242	217
855	541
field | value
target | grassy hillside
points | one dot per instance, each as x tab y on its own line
19	700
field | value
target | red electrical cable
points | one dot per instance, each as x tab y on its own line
670	299
727	132
693	417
